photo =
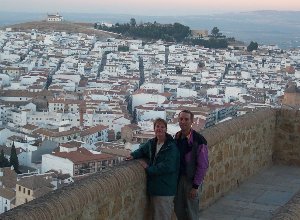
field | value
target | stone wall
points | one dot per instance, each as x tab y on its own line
119	193
238	149
287	138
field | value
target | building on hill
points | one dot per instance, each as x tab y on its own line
54	17
199	33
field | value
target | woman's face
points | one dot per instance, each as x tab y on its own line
160	129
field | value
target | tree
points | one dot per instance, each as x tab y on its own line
215	32
3	160
95	26
123	48
252	46
132	22
14	158
118	135
178	70
201	64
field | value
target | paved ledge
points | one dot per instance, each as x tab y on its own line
259	197
289	211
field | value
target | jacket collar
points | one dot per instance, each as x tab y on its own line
169	138
189	137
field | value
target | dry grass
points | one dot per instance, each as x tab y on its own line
69	27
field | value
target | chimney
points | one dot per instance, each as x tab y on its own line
81	117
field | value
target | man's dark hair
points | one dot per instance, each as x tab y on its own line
159	120
188	112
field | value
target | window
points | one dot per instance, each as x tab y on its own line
19	188
23	190
28	192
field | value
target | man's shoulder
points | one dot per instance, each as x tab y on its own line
199	138
177	135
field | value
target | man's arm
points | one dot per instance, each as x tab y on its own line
201	165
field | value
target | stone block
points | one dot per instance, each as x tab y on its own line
287	127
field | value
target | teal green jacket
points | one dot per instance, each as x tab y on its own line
163	169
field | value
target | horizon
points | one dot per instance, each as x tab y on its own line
263	26
146	8
146	15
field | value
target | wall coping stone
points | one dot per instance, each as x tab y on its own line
219	132
61	203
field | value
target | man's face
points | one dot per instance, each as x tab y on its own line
185	121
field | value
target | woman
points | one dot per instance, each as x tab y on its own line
162	169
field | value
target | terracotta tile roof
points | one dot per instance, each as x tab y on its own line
23	93
35	182
93	130
75	130
67	101
71	144
82	155
30	127
56	133
7	193
9	177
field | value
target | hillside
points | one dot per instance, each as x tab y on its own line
69	27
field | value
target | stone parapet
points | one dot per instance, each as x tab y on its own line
238	149
119	193
287	138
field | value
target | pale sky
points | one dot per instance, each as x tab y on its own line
147	7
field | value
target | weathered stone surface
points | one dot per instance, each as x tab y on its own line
238	149
290	211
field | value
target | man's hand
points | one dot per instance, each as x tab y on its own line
143	163
193	193
129	158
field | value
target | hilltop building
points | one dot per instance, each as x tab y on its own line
199	33
54	17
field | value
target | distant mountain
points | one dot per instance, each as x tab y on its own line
264	27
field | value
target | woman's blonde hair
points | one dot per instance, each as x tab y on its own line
160	120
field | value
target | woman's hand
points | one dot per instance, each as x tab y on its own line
129	158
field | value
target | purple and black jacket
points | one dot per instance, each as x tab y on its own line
193	156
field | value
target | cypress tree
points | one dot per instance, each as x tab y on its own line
14	158
3	160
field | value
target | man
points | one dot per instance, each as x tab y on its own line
162	170
193	166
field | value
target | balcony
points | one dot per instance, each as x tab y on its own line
261	146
